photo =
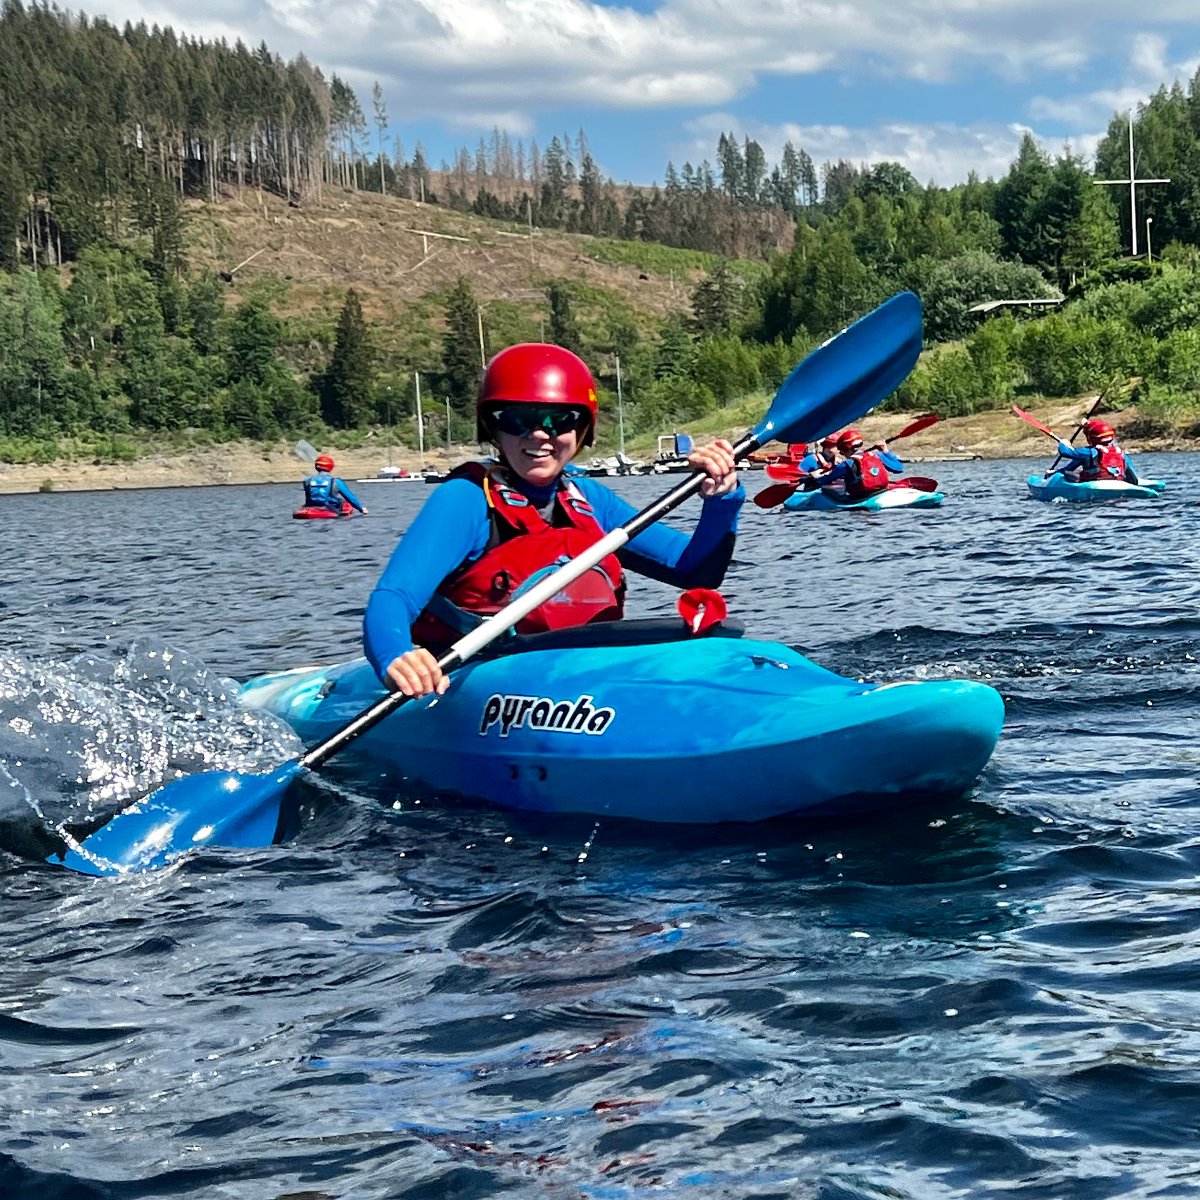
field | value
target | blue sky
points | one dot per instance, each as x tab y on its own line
942	86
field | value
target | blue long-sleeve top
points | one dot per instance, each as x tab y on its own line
1088	457
848	469
453	527
338	491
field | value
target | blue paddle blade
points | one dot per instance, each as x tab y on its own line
848	375
215	808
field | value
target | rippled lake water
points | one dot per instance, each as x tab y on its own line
992	997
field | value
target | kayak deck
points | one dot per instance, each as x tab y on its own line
704	730
1057	487
894	497
315	512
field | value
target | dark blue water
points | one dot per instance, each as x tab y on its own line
993	997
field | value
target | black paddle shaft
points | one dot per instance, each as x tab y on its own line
508	616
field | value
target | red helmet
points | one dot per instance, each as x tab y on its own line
536	373
323	462
829	441
1097	430
849	440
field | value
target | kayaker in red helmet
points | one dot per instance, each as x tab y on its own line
325	490
1101	458
827	453
862	471
808	457
497	525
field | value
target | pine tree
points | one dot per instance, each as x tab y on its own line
381	124
347	386
563	329
460	346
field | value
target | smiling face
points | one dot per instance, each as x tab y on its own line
537	457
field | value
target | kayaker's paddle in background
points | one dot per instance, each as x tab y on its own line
791	477
1091	412
839	381
1020	412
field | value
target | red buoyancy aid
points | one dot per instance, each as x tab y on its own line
870	477
1110	465
522	547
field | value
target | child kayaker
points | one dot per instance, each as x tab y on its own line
1101	458
325	490
495	526
862	472
827	454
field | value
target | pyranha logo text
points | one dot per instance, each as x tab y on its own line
541	712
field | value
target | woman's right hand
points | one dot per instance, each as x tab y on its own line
416	673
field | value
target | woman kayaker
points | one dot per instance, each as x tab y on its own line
1101	458
325	490
497	525
862	472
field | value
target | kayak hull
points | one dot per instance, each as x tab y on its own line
705	730
895	497
314	512
1058	488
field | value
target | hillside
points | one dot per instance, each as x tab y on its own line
400	254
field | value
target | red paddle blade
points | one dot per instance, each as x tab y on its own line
776	494
783	472
920	423
922	483
700	608
1020	412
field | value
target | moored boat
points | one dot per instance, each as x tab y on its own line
637	720
1059	487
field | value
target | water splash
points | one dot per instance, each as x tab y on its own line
81	738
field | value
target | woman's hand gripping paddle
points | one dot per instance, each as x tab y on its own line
792	477
838	382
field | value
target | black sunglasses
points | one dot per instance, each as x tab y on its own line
520	420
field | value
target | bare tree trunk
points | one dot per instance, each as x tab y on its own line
287	160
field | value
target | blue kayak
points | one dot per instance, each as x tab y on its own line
1058	487
635	720
826	500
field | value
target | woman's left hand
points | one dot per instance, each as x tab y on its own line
716	459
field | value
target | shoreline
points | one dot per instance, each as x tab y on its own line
989	435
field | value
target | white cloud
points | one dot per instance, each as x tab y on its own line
473	64
941	153
1149	68
534	54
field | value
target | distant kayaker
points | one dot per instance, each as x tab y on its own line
1101	458
325	490
862	472
826	453
495	526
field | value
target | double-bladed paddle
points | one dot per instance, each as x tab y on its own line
791	477
838	382
1020	412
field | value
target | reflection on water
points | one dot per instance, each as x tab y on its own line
992	996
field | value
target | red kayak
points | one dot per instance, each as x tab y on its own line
317	512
